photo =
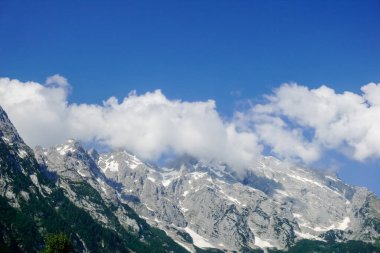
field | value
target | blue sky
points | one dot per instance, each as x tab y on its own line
228	51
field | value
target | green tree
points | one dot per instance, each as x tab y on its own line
58	243
377	245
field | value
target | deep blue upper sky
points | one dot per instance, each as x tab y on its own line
195	50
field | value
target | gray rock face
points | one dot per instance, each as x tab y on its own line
10	136
73	168
271	206
139	186
20	155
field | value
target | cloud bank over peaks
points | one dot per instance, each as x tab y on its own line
150	125
300	122
294	122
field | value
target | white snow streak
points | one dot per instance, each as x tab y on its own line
262	243
198	240
307	236
151	179
22	153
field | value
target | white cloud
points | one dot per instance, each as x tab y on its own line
320	119
149	125
57	81
294	122
38	112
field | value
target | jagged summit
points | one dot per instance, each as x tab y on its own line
7	131
10	136
70	159
69	147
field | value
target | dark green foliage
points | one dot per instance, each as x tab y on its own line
377	244
332	236
14	225
185	236
308	246
199	250
107	240
10	166
9	247
84	190
373	222
249	250
57	243
302	246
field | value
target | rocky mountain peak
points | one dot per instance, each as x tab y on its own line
69	147
69	160
10	136
8	132
119	160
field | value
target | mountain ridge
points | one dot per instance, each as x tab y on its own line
196	205
166	198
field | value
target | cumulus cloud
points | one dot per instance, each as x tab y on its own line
38	111
294	122
57	81
150	125
312	120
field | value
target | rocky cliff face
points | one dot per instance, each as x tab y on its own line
270	205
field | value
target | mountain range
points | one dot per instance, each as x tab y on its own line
116	202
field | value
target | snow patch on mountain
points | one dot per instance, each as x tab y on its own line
233	200
22	153
308	236
81	173
262	243
63	150
151	179
198	240
168	175
108	164
340	226
133	162
6	140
